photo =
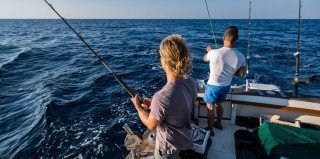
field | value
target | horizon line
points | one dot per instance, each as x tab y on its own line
155	19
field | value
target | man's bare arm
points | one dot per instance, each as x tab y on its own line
241	71
205	55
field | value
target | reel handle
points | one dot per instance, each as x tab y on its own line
145	103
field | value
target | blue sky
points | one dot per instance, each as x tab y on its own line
159	9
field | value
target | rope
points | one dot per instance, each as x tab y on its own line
211	24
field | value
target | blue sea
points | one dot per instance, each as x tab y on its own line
56	98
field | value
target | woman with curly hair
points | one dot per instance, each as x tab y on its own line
171	106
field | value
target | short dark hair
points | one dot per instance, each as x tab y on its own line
232	33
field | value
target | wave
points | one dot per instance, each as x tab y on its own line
45	42
29	121
10	54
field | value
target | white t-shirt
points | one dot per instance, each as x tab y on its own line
224	63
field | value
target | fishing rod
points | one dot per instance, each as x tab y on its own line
296	80
211	24
124	85
248	49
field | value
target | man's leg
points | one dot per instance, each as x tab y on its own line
222	97
219	113
210	97
210	116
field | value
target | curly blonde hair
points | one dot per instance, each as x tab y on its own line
175	52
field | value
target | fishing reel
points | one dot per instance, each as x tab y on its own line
306	81
253	77
250	76
145	103
296	82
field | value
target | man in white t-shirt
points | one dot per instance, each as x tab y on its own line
224	64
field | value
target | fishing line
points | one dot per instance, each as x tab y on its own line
211	24
119	80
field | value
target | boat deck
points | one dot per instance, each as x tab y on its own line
223	145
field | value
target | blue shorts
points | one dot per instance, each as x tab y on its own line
215	94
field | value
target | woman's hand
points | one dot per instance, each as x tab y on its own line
136	100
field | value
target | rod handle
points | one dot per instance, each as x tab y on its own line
127	129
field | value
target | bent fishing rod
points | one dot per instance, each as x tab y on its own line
211	25
120	81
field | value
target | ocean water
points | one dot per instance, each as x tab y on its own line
56	98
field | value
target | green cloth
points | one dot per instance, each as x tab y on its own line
291	142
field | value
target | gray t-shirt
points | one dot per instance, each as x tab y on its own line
172	106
